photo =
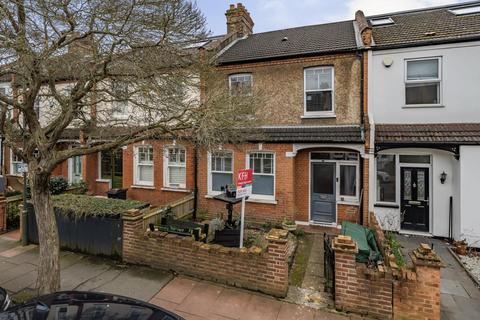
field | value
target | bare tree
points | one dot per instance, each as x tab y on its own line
74	63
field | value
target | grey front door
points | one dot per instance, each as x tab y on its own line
323	202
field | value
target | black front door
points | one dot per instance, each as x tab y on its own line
415	199
323	202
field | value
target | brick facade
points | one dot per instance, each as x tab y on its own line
386	292
254	268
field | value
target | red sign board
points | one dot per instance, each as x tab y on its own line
244	177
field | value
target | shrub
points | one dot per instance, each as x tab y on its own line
13	216
82	185
82	205
396	249
58	185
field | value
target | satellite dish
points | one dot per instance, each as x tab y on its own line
387	62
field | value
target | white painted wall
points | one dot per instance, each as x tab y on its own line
460	85
470	193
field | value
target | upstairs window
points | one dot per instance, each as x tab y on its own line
16	164
175	167
120	97
422	82
240	84
319	91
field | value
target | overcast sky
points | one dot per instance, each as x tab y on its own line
280	14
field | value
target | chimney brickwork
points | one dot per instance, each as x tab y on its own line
239	21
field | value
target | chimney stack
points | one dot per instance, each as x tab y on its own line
364	28
239	21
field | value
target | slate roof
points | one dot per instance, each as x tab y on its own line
327	134
426	26
436	133
308	40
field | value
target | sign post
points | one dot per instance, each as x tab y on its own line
244	190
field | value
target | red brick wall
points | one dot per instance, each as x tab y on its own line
255	212
385	293
155	195
265	271
347	212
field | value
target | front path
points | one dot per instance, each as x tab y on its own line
194	299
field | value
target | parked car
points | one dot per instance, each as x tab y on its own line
72	305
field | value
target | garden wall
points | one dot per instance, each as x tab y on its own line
254	268
387	291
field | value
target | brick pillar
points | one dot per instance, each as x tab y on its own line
277	263
3	213
419	296
345	250
132	229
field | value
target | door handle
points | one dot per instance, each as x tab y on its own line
415	202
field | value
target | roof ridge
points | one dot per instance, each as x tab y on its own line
300	27
424	9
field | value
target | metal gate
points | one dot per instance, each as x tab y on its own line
329	265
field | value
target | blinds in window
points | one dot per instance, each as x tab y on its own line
176	175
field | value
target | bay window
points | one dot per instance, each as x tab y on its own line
175	167
319	92
144	165
422	82
221	170
263	165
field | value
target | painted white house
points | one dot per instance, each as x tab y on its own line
424	107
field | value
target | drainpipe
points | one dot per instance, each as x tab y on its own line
361	56
195	182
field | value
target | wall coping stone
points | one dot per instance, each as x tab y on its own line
345	244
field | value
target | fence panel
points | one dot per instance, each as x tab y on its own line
329	265
179	209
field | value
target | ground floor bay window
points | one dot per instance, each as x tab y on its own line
174	167
220	171
263	165
143	165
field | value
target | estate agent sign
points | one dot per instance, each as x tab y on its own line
244	190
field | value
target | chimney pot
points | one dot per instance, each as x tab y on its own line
239	20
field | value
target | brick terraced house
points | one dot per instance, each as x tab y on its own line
309	161
424	103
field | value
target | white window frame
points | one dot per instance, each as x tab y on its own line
11	164
136	164
210	171
167	165
318	114
425	81
238	75
264	196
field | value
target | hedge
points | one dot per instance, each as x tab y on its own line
82	205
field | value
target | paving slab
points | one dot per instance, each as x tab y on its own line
137	282
262	308
177	290
293	311
231	303
26	281
79	273
201	299
17	271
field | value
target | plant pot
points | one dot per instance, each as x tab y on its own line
289	227
461	249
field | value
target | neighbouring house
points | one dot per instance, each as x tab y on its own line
309	159
424	100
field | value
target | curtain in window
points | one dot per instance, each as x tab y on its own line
348	180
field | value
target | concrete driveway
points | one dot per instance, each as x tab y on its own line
459	295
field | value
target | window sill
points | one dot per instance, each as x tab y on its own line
415	106
136	186
103	180
176	190
264	201
386	205
349	203
318	116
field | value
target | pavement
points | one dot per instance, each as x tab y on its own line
192	298
459	295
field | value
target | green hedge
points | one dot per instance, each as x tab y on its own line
82	205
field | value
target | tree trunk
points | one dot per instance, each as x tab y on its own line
48	279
